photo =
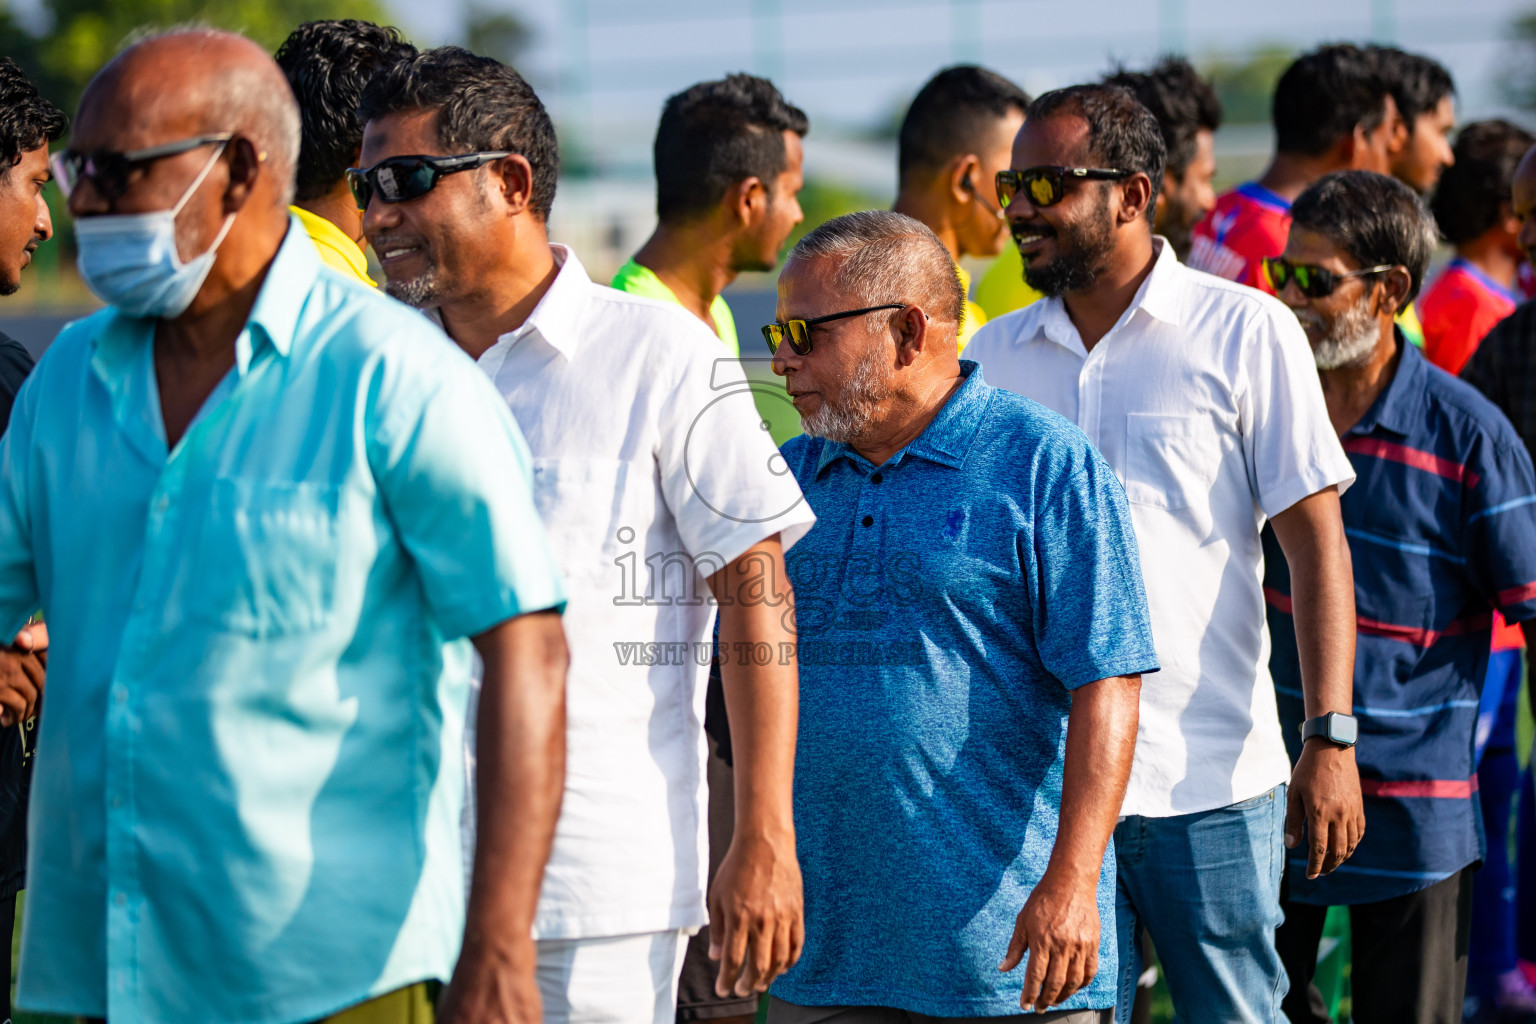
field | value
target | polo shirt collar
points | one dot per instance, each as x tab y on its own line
947	437
1160	297
1398	408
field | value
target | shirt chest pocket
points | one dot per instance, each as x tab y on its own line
591	513
1171	461
267	557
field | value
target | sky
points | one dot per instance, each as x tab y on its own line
605	66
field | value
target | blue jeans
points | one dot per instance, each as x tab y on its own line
1206	887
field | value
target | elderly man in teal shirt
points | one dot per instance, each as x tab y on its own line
263	507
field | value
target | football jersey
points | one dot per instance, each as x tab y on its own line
1248	224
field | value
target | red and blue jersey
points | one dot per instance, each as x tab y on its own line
1457	309
1247	225
1441	523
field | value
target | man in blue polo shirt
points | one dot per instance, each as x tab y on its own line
972	630
1442	530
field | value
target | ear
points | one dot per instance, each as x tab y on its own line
1394	285
1508	222
244	170
963	172
746	202
910	327
1135	199
515	175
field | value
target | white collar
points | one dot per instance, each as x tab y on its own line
1159	297
557	316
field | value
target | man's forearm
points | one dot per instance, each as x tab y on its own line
1101	740
520	777
1322	600
762	702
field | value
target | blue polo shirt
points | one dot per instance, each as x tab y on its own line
1442	530
948	602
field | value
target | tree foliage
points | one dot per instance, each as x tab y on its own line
85	34
1246	87
1518	79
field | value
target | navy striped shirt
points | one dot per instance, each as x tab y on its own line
1442	529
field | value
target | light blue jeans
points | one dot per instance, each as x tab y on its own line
1207	888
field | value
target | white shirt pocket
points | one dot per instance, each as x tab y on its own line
1171	461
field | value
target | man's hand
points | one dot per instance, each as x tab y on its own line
756	917
493	987
1325	786
1059	926
756	914
1324	797
23	668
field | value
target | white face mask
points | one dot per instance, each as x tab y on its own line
130	260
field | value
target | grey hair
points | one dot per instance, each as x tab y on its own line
883	257
256	99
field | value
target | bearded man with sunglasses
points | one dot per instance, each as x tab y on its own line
263	509
1442	530
972	596
659	484
1202	396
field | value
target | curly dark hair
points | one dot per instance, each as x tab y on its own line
1375	219
1472	192
27	120
327	64
950	114
714	134
1122	133
482	105
1325	95
1180	99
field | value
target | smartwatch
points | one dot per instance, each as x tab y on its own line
1334	727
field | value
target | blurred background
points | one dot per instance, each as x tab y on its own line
605	66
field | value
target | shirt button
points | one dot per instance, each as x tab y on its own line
121	899
869	520
162	503
117	803
120	694
876	478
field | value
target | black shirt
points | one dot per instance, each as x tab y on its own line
15	768
1504	369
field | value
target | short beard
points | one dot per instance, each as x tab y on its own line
1351	340
420	291
9	287
865	388
1079	263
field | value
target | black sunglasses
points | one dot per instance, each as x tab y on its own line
108	170
1314	282
1045	186
798	332
401	178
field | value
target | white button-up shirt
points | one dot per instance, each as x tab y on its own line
1205	399
652	470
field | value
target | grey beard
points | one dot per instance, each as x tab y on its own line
1350	342
420	291
868	386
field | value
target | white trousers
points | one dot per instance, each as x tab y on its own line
626	979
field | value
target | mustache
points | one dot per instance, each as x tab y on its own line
383	242
1309	318
1021	229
